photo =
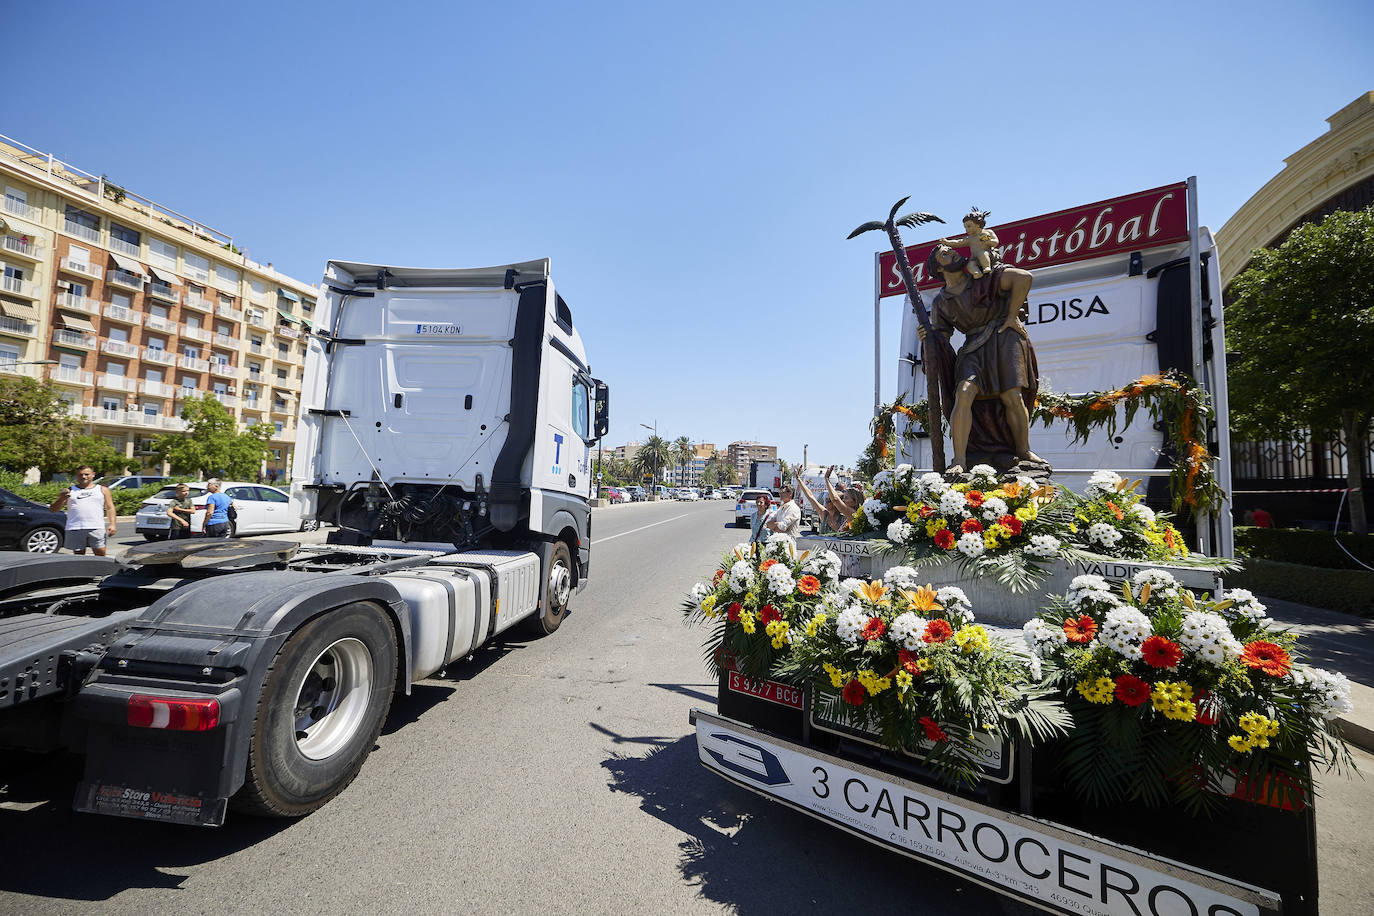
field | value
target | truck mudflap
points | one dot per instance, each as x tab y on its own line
1044	864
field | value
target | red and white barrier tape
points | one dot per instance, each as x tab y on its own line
1263	492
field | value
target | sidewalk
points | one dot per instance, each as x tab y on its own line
1340	642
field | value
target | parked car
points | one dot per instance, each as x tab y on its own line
745	508
261	510
617	495
31	526
637	494
664	493
687	493
131	482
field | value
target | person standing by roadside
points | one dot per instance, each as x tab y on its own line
762	514
787	520
180	512
217	507
90	513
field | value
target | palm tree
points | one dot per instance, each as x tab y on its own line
938	351
684	453
653	456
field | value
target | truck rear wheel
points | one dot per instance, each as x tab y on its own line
558	583
321	709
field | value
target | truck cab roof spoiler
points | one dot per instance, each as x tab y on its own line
358	275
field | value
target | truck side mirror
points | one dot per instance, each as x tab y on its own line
602	410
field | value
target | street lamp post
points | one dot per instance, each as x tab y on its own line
653	479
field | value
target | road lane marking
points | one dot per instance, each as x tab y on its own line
596	541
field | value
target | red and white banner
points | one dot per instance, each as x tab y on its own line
1146	219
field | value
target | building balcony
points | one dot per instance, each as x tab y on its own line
255	404
26	288
117	382
285	330
254	375
200	334
85	233
184	393
158	323
224	340
229	286
15	367
257	349
118	348
101	415
17	246
194	364
228	311
164	292
199	303
70	375
78	303
123	247
19	208
125	279
17	327
176	424
228	400
160	357
120	313
225	370
282	408
260	321
65	337
157	389
84	268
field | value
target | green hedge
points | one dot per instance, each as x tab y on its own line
126	501
1348	590
1306	548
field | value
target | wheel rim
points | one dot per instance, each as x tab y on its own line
332	702
310	525
560	586
44	541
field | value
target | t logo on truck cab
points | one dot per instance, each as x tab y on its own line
557	453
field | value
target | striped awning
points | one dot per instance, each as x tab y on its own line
129	264
287	316
76	322
287	294
165	275
20	310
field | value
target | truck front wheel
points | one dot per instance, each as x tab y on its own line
558	584
321	709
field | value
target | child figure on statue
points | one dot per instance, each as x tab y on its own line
981	241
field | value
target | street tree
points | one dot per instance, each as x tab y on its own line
683	453
212	445
653	456
37	430
1302	326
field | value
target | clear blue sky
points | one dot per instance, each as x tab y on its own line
692	171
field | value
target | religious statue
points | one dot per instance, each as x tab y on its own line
993	376
981	241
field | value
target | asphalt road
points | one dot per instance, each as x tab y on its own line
547	776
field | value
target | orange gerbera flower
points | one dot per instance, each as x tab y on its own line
1266	657
909	661
808	585
975	498
873	592
1080	629
767	565
938	631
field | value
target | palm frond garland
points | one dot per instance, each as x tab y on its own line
1181	700
1172	398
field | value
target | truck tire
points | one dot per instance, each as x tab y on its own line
320	711
553	602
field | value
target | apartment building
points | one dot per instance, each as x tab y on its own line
131	307
739	454
627	451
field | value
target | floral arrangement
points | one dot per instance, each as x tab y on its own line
909	662
755	599
1174	696
1113	520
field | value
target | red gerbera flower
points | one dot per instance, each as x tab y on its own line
769	614
808	585
1267	657
971	526
873	629
1012	522
1131	690
1161	653
974	497
933	730
1207	709
1080	629
767	564
944	539
938	631
854	693
732	612
720	574
926	511
907	660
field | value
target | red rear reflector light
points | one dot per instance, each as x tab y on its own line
176	715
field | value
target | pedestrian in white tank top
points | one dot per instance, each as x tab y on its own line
90	513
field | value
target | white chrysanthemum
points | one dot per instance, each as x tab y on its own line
952	503
780	581
971	545
824	564
1100	483
741	575
1161	582
848	588
932	485
698	592
1104	534
1033	663
983	472
907	630
1027	483
1246	605
1123	630
904	577
1043	638
1331	690
849	623
872	508
780	546
882	479
993	508
903	474
1043	545
1142	513
956	603
900	531
1091	589
1209	636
